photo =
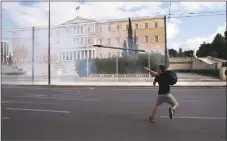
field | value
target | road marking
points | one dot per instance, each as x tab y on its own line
6	101
38	110
184	117
5	117
191	101
48	103
52	98
14	102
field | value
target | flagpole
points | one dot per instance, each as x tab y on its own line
49	82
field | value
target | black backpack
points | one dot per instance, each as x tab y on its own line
171	77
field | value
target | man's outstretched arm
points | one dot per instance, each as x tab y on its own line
153	73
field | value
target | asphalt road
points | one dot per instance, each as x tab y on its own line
110	114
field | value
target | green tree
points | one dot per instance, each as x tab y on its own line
180	53
219	46
124	52
135	45
204	50
188	53
10	61
172	52
225	35
130	38
127	64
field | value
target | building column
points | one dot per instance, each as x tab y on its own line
72	53
80	54
3	52
94	55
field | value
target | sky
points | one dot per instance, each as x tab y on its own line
182	32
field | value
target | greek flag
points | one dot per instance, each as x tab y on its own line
78	7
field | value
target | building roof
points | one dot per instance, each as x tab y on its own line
132	19
79	19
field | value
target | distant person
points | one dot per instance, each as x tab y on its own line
164	95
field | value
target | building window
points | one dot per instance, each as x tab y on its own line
78	55
81	30
109	28
100	41
109	54
78	29
146	25
58	32
81	41
70	55
100	29
118	27
156	24
86	55
137	38
77	41
146	39
74	41
82	54
74	30
156	38
100	55
67	56
90	54
137	26
89	41
63	56
93	54
118	40
109	41
126	27
89	29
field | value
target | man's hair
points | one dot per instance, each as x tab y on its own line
162	68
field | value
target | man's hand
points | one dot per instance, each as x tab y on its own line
154	83
153	73
146	69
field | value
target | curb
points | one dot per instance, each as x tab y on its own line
130	85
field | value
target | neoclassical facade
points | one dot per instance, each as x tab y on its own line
73	40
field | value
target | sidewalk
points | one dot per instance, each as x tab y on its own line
123	84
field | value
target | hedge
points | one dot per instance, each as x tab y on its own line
130	64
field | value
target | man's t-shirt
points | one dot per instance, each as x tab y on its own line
164	87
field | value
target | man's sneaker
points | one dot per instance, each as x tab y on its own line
171	112
151	119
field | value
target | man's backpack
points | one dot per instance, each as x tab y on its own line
171	77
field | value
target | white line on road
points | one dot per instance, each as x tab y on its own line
191	101
6	101
5	117
185	117
14	102
48	103
38	110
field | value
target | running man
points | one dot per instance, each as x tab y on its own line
164	95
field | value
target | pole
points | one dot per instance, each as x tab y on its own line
87	65
33	53
166	50
117	67
49	48
149	64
